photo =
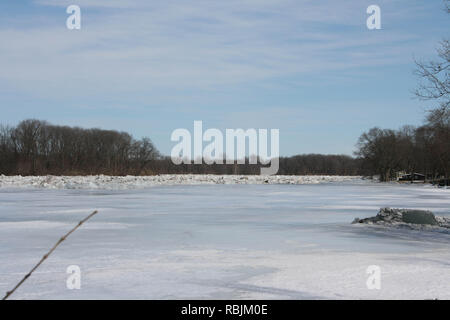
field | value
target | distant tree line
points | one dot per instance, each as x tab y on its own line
314	164
307	164
36	147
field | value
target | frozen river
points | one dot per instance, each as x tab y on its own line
223	242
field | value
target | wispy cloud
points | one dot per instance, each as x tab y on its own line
192	44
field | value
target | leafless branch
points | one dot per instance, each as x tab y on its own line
9	293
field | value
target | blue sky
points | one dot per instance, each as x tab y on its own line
309	68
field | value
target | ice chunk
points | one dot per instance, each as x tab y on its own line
388	216
140	182
419	217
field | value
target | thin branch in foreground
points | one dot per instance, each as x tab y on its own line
48	253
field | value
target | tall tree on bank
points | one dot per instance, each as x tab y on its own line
434	86
425	149
434	77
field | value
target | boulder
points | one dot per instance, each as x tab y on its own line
419	217
405	216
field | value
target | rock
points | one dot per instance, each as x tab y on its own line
407	217
419	217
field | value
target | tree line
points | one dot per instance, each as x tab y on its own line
36	147
306	164
424	149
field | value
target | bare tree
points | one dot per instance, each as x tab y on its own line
380	150
434	75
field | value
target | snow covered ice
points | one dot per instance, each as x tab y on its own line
139	182
204	239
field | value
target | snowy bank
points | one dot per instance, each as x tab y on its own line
414	219
136	182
